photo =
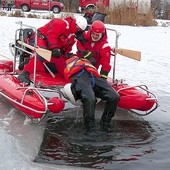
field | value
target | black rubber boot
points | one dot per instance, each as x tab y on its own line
21	66
90	127
109	112
24	77
106	118
89	114
105	125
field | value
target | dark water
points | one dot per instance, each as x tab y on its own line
134	143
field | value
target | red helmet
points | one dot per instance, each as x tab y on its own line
98	27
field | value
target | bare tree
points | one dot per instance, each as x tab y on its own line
157	7
166	8
155	4
70	5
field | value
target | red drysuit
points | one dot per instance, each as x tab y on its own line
60	34
100	49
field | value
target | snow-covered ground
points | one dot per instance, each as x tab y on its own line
20	141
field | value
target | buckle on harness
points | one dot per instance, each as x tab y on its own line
41	35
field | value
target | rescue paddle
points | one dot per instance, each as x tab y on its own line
136	55
46	54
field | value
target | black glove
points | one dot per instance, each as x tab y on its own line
80	37
56	53
51	67
89	56
69	55
22	64
104	74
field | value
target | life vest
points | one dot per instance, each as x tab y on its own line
76	64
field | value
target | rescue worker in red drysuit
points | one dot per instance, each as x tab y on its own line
87	85
93	45
58	36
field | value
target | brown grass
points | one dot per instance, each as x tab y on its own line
123	14
17	13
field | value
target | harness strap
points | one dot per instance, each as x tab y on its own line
80	73
41	35
93	82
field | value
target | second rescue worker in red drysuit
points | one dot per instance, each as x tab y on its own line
58	36
93	45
